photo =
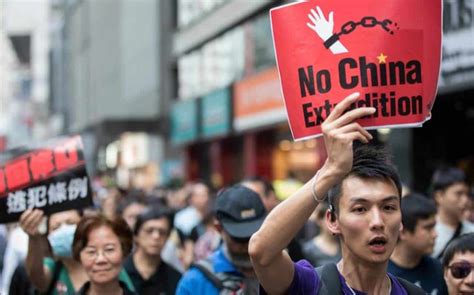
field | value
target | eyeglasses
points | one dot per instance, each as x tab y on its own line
161	231
460	270
92	253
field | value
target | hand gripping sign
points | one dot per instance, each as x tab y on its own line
52	177
389	51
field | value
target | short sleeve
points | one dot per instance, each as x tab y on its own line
305	279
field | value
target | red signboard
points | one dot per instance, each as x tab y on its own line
389	51
52	178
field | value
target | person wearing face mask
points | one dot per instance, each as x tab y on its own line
61	274
239	213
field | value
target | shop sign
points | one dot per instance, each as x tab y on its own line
134	150
215	113
258	101
184	122
457	66
389	51
52	178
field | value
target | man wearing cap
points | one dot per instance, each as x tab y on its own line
239	213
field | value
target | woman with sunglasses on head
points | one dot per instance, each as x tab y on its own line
458	263
101	245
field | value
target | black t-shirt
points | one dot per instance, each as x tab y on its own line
163	281
428	275
20	282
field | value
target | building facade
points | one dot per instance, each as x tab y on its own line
236	124
105	82
193	85
24	73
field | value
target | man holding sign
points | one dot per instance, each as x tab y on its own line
364	194
390	51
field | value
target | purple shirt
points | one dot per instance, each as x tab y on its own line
307	281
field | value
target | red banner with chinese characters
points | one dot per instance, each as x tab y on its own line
52	178
389	51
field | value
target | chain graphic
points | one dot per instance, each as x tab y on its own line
324	28
366	22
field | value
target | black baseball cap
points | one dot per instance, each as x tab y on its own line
240	211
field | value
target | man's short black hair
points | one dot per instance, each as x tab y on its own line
267	185
416	207
133	197
155	212
444	177
462	244
369	162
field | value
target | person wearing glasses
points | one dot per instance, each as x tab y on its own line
101	245
458	263
148	272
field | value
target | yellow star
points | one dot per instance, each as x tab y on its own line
382	58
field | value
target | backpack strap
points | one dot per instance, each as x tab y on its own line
222	280
330	283
205	266
411	288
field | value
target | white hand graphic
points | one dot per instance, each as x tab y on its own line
320	25
324	28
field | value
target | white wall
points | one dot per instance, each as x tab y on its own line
114	51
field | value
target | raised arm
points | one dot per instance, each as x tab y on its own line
40	277
272	265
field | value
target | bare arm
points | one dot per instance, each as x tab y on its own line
188	253
272	265
39	275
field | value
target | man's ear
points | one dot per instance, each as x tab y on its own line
403	233
446	274
437	196
332	223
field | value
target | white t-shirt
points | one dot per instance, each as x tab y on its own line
15	253
445	233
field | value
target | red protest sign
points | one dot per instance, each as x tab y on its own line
52	177
389	51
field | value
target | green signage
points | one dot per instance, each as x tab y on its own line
216	114
184	122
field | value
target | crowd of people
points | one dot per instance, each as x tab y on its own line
349	230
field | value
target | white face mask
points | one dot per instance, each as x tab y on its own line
61	240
